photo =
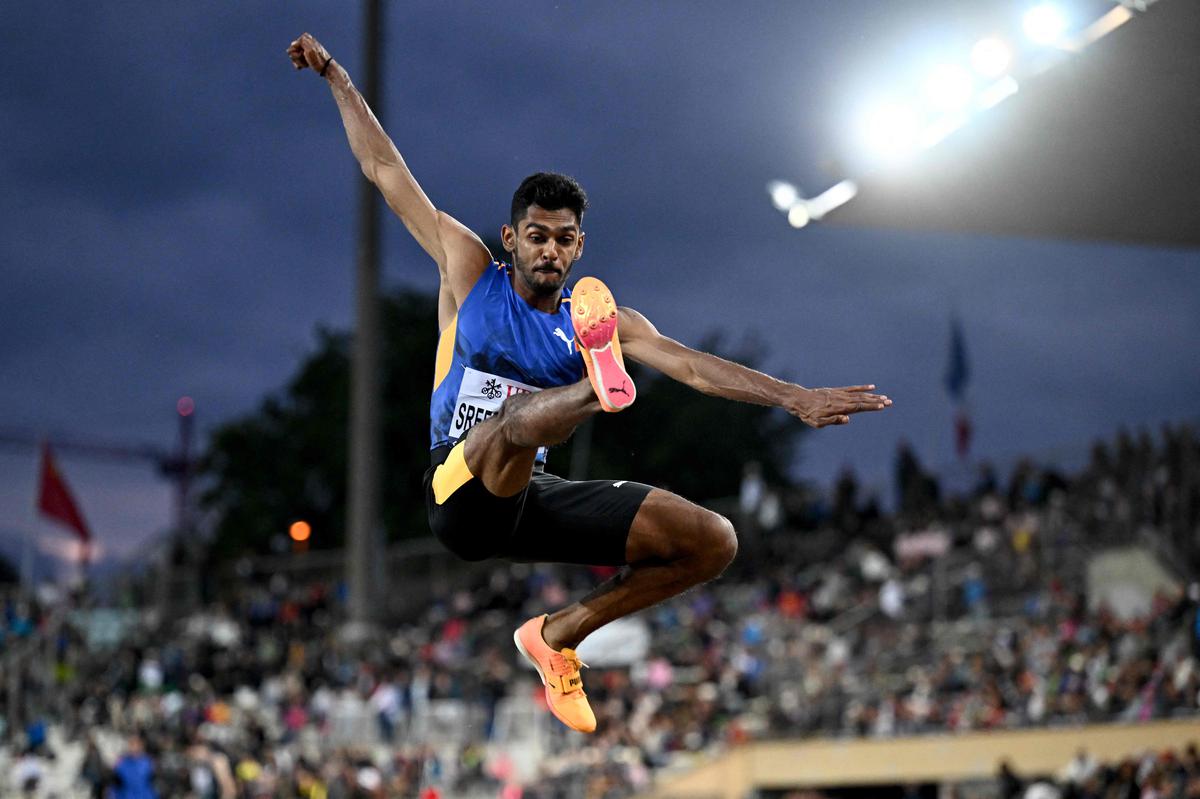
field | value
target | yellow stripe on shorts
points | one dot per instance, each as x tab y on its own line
451	475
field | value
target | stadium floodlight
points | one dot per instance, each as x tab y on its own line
835	196
891	130
1044	24
783	194
1108	23
998	91
798	215
990	57
941	128
949	87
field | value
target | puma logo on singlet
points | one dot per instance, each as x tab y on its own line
620	390
558	332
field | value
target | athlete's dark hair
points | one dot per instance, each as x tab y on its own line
550	190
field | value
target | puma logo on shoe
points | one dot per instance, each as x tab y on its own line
559	672
620	390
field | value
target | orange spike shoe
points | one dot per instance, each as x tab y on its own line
559	670
594	316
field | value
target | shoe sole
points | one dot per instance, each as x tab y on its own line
521	648
594	317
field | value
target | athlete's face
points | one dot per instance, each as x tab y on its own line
544	245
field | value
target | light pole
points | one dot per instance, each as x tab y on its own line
362	528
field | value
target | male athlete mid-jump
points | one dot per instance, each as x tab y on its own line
521	361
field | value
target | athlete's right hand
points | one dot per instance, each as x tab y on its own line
820	407
308	52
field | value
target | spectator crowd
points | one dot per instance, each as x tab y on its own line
949	614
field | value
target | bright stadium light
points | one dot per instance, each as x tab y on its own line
1044	24
949	87
835	196
941	128
891	130
998	91
990	57
783	194
1115	18
798	215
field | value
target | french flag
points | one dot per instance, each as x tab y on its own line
958	374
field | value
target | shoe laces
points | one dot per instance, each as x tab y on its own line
565	665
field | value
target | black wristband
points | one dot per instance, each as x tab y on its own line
325	68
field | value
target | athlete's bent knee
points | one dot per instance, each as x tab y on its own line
509	420
718	544
521	430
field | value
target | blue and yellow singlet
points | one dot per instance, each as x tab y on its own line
496	346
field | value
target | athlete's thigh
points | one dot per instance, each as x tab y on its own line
468	519
576	521
666	526
502	467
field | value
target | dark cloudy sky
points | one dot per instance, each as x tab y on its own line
177	218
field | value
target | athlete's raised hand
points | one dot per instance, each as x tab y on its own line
308	52
818	407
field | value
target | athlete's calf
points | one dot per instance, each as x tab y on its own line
673	545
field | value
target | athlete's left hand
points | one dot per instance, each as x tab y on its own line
818	407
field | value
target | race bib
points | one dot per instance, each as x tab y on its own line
480	397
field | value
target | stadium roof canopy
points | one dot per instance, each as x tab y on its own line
1105	146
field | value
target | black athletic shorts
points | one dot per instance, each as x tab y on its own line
552	521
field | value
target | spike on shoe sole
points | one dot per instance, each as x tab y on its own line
594	316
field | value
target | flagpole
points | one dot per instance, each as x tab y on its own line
32	527
27	560
85	561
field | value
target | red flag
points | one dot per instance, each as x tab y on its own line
55	500
962	433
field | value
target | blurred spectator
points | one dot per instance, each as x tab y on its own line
949	615
1009	784
93	771
133	775
27	773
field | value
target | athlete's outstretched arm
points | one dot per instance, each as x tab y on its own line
708	374
460	255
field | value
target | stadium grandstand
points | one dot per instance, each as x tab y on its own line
937	650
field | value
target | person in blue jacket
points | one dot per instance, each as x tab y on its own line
134	773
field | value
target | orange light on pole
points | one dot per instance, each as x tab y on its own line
300	531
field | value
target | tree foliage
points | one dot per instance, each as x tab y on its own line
288	459
694	445
8	572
